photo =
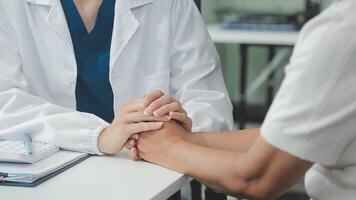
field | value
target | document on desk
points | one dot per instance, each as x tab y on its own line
29	173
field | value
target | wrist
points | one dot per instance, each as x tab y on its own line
96	139
102	138
194	138
174	147
174	157
188	137
110	141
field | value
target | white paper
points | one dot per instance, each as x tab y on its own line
32	172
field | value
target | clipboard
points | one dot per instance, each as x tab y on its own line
45	178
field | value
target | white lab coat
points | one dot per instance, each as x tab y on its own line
156	44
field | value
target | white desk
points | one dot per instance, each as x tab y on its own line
107	178
220	35
271	39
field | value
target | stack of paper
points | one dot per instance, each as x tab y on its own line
28	173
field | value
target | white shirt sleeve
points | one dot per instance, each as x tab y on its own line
197	79
21	112
313	116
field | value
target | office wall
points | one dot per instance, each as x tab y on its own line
257	55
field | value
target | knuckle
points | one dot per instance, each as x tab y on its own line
163	109
168	98
155	104
176	104
175	115
159	91
149	96
127	129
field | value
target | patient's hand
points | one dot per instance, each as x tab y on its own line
160	105
152	145
130	119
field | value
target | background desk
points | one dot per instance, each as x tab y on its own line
109	178
270	39
221	35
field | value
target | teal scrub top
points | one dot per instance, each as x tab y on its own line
92	52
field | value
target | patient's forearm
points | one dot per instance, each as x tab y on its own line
212	167
237	141
264	172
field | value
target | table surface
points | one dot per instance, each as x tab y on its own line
106	178
221	35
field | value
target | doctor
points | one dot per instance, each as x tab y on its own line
74	73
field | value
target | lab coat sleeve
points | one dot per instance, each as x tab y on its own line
196	76
21	112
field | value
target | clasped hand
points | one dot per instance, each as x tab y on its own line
141	115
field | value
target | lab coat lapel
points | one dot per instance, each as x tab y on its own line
125	27
55	18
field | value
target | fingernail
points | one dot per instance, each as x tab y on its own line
131	142
156	114
170	112
146	112
167	117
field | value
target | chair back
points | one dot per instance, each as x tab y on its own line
198	3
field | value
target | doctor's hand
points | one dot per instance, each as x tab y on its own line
153	146
160	105
130	120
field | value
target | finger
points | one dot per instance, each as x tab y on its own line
183	119
141	155
133	154
165	109
134	136
143	126
152	96
140	117
131	143
158	103
134	105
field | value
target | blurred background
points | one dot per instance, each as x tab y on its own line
258	55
